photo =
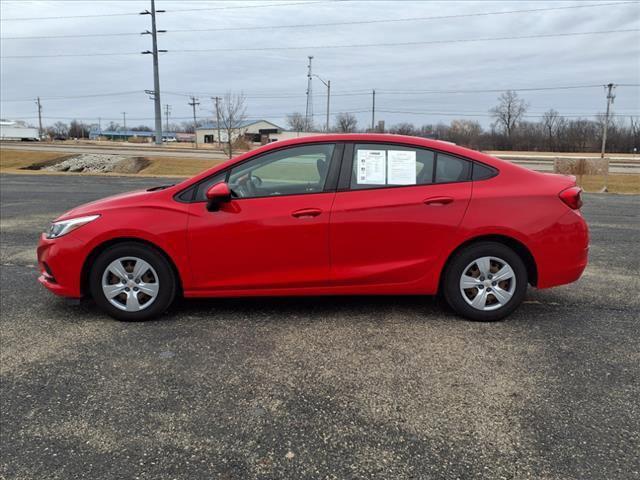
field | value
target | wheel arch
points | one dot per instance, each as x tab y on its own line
101	247
517	246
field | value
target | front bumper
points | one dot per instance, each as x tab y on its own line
60	262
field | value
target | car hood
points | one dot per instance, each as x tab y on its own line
108	203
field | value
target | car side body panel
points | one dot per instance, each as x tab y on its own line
394	235
255	243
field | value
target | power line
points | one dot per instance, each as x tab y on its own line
488	115
113	94
492	90
404	44
236	7
404	19
79	35
97	15
339	94
330	24
250	117
420	92
353	111
362	45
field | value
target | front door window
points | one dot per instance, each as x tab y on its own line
292	171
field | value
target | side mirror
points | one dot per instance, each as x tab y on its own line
216	195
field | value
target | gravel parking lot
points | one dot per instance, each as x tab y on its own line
318	388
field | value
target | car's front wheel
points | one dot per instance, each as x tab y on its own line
132	282
485	281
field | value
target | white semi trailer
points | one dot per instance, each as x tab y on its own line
18	132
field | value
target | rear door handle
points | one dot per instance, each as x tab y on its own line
438	200
306	212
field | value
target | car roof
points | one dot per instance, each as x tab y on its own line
440	145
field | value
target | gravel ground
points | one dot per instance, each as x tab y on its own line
383	387
97	163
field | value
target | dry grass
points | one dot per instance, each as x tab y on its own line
15	160
12	160
179	167
615	184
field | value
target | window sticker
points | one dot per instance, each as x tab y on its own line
371	167
401	167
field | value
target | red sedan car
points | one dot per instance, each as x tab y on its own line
360	214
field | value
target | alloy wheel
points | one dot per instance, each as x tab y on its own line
130	284
488	283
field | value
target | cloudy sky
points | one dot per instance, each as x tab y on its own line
414	57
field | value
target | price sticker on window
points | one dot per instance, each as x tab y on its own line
401	167
371	167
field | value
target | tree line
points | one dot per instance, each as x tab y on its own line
509	131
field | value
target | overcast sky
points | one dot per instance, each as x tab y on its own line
395	71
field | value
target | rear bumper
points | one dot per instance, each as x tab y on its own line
60	262
565	253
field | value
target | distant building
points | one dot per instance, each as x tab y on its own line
255	131
185	137
18	131
123	135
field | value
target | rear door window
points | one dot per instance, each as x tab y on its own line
381	165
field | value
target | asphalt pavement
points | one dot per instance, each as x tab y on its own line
335	388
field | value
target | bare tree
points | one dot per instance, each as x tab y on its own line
347	122
634	132
233	113
404	128
78	129
465	132
61	129
509	112
550	121
298	123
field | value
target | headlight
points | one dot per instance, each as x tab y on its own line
58	229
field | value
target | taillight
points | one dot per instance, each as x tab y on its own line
572	196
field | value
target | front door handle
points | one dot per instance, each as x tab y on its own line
306	212
438	200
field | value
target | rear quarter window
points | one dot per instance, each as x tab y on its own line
452	169
483	172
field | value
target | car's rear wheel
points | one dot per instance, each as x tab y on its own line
485	281
132	282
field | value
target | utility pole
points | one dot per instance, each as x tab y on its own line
217	100
124	121
328	85
99	126
328	103
309	110
373	111
610	97
193	104
167	110
39	118
156	75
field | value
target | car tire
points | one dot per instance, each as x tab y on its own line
132	282
496	278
